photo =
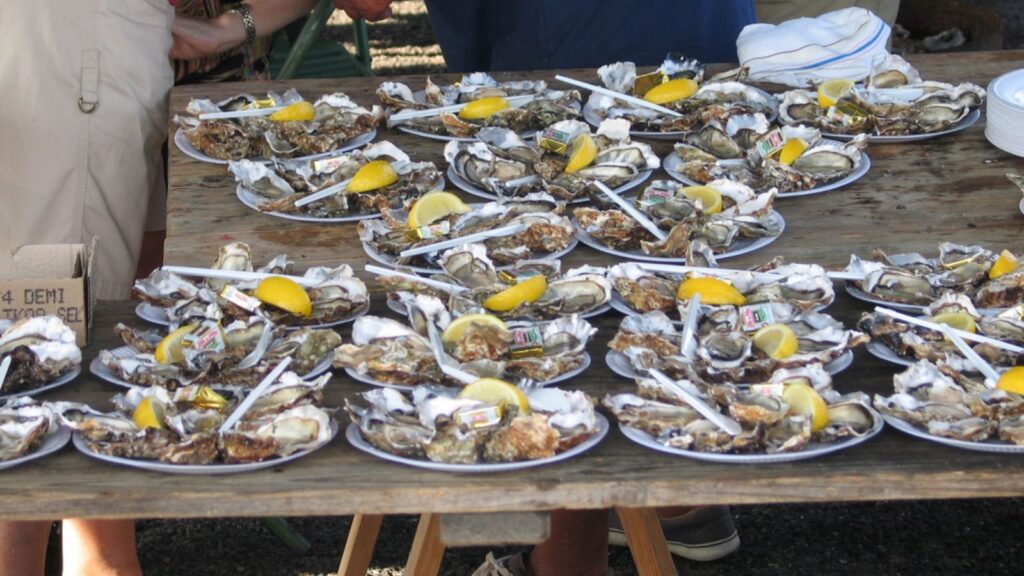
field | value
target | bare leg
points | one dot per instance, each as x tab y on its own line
100	548
578	545
23	548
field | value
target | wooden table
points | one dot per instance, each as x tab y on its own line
915	196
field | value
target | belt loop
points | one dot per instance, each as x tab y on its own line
90	97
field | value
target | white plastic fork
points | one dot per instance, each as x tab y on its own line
4	367
717	418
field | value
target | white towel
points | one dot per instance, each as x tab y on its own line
847	43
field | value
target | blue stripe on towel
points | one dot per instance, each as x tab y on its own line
868	44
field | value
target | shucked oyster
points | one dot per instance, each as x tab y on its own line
24	424
41	349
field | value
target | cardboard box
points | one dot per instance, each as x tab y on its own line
48	279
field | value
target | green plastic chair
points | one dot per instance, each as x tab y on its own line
300	52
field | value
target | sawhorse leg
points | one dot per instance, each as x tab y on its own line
427	549
362	538
646	541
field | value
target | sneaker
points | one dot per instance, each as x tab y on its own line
704	534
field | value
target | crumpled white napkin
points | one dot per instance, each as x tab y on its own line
847	43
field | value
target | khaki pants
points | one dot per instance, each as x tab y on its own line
776	11
83	113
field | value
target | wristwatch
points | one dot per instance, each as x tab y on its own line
242	9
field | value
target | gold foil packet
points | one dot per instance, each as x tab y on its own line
556	141
479	418
526	342
206	398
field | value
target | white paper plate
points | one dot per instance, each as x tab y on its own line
156	315
391	261
619	363
964	124
396	307
99	370
58	382
672	162
367	379
739	248
813	449
356	440
200	469
50	444
883	352
470	188
995	446
181	141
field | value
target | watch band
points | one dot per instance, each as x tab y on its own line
242	10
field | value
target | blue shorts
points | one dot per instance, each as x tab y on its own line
545	34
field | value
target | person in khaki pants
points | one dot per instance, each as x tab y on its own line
776	11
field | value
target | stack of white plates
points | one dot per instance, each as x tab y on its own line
1005	109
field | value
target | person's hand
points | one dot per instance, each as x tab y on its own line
371	10
196	37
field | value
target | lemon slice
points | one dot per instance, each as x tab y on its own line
710	199
521	293
454	330
792	150
1003	265
373	175
483	108
169	350
434	206
671	91
804	400
958	320
285	294
494	391
583	152
148	414
301	110
777	341
1012	380
830	91
713	291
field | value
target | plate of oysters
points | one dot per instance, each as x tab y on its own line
893	105
366	181
795	160
678	84
911	282
794	415
320	298
29	429
386	352
472	284
523	106
42	355
442	218
564	160
297	129
475	430
239	354
721	220
179	432
950	405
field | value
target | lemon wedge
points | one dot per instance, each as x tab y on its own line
582	153
710	199
671	91
831	91
1003	265
301	110
373	175
169	350
804	400
521	293
285	294
434	206
958	320
777	341
483	108
148	414
454	330
1012	380
792	150
494	391
713	291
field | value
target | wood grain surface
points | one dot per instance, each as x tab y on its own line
915	196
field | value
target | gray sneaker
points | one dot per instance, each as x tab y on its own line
704	534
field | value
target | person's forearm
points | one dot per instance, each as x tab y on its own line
272	15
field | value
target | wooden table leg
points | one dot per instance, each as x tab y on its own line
427	549
646	541
362	538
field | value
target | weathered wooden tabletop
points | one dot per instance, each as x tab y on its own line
915	196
